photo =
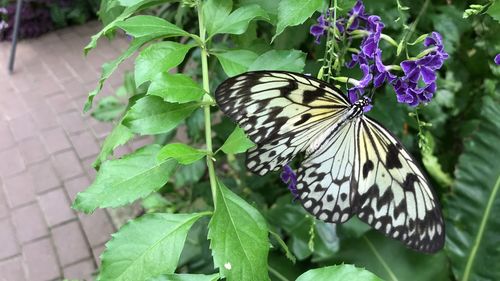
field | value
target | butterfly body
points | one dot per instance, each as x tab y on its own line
352	164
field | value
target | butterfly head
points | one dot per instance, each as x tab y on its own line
364	104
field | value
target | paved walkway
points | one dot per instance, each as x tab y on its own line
46	151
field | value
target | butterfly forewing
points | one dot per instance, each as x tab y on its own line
281	112
393	194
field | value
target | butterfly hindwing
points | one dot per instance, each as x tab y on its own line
281	112
393	195
325	180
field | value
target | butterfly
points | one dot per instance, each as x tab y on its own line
352	164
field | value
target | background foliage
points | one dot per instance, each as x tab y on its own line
215	219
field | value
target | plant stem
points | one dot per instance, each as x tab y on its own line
207	101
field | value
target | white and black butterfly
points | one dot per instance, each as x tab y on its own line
352	165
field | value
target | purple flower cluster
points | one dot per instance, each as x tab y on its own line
416	86
497	59
289	177
424	69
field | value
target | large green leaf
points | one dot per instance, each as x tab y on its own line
237	142
185	277
146	247
143	25
138	5
182	153
175	88
125	180
338	272
159	57
238	238
151	115
235	62
119	136
391	260
218	18
109	67
473	207
494	11
287	60
295	12
237	22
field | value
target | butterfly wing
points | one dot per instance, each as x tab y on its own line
393	194
326	181
362	169
282	112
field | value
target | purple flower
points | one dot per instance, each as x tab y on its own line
382	73
289	177
356	15
497	59
424	67
319	29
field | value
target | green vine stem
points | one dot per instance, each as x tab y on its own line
207	102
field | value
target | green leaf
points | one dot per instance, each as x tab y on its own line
186	277
237	22
109	67
287	60
190	174
151	115
238	235
146	247
339	272
237	142
142	25
494	11
108	109
235	62
474	205
159	57
215	12
182	153
295	12
175	88
138	5
119	136
125	180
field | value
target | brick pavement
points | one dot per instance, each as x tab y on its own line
46	147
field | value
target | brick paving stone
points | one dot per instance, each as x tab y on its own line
32	150
84	144
100	129
72	122
44	118
70	243
13	107
76	185
23	127
87	165
97	252
6	138
40	261
29	223
60	103
4	209
11	162
97	227
12	270
55	140
44	176
9	246
81	271
67	165
56	207
19	189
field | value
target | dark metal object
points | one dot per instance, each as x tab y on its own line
17	21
